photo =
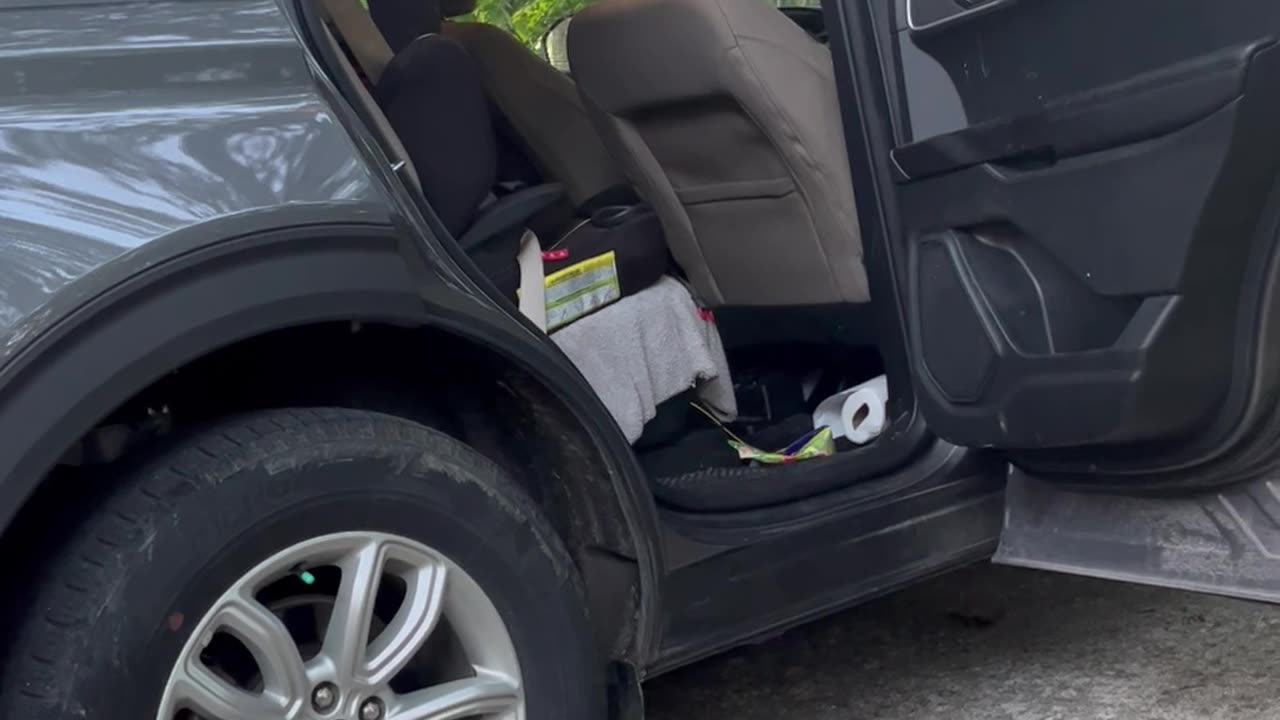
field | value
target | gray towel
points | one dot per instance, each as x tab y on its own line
648	348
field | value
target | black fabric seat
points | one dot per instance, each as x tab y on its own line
544	129
403	21
431	94
433	97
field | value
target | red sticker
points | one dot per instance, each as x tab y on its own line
555	255
706	315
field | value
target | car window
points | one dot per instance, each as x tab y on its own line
543	25
528	20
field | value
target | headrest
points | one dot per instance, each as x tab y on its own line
403	21
454	8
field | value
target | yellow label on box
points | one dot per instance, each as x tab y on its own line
581	288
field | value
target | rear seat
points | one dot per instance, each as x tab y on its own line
453	153
538	104
429	95
456	156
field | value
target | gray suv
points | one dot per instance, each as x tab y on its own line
358	362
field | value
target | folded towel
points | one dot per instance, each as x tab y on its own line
648	348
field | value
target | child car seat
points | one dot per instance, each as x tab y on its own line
433	97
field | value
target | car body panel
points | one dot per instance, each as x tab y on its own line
743	580
177	176
133	122
147	149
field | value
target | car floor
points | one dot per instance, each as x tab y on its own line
707	446
1000	644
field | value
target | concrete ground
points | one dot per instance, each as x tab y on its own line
1000	644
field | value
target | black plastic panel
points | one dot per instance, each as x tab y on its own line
1040	305
955	347
1017	57
750	578
1139	108
1094	300
1121	221
928	15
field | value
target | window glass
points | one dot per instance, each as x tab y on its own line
528	20
543	25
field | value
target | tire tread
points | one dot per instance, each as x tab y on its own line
92	557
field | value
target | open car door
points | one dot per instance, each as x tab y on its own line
1082	200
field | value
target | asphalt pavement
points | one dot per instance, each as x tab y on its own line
1000	644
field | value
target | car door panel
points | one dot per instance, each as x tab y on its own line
1086	226
1010	58
1139	108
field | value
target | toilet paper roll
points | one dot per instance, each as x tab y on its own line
858	413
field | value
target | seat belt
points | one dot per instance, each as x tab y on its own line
368	47
533	287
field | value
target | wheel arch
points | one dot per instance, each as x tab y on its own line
313	282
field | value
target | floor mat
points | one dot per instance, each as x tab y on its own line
708	447
702	474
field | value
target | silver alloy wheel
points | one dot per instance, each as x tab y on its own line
350	676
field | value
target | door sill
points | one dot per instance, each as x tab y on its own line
1222	542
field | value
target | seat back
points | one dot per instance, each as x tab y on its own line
403	21
543	108
449	155
429	104
433	98
724	114
539	103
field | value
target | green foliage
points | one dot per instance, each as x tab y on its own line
494	12
528	19
535	18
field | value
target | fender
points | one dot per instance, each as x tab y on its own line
91	359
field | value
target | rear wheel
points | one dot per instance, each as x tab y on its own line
308	564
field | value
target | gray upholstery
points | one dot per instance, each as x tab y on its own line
724	114
541	104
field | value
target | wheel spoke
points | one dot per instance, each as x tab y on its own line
352	673
283	673
347	637
413	622
486	693
194	687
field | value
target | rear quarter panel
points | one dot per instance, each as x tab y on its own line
137	136
126	126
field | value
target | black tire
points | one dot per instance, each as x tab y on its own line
116	600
